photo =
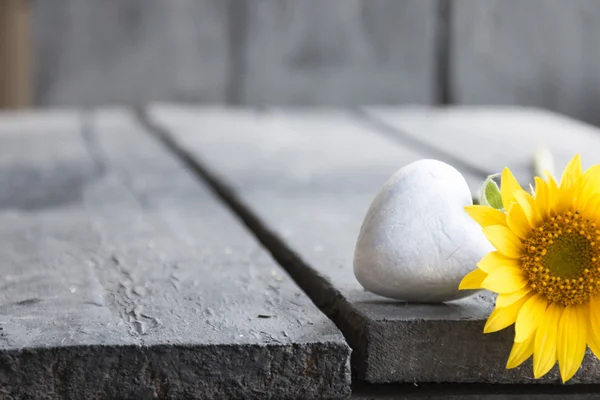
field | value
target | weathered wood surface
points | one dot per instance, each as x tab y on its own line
105	52
493	138
242	51
338	52
540	53
122	277
308	179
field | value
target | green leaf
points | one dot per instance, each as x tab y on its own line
490	193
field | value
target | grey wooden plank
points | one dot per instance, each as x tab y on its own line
142	285
95	53
339	52
539	53
309	177
41	164
495	137
46	121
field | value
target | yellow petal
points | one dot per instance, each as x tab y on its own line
565	201
572	174
472	280
594	344
527	202
529	317
552	193
592	174
520	352
508	186
541	196
594	324
504	240
486	216
505	280
506	299
517	221
544	347
572	339
590	184
503	317
495	259
571	178
591	206
595	314
588	187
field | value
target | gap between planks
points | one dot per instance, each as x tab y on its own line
399	136
322	293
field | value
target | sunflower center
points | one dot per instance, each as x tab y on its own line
561	258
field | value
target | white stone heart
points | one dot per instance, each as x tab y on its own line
417	242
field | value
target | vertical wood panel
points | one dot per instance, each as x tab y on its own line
532	52
342	52
14	54
128	51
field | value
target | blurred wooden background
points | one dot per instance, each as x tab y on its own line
313	52
15	54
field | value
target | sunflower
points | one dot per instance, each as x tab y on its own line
545	269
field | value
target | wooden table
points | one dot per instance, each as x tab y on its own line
180	251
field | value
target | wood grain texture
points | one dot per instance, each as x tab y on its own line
122	277
541	53
95	53
308	179
339	52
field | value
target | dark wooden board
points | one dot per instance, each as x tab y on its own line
123	277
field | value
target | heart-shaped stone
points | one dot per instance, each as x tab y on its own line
417	242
